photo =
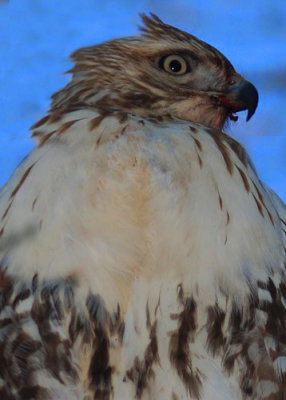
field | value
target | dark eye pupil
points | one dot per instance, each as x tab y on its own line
175	66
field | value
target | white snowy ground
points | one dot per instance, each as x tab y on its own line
37	36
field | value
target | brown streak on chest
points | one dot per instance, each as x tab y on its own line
215	338
198	144
45	137
179	350
66	125
142	371
227	218
193	129
95	122
41	122
217	137
34	203
237	149
261	199
258	204
22	180
220	201
244	178
6	211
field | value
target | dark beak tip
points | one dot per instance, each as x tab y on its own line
250	113
251	97
245	97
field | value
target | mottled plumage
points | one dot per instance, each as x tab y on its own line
141	256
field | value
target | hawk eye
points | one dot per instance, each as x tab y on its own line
174	64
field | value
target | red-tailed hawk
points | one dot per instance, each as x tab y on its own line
141	256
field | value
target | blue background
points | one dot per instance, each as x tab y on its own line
37	36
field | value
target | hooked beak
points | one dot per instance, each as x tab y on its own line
240	95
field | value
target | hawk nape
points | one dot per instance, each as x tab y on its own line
141	256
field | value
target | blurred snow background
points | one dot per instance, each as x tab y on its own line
37	36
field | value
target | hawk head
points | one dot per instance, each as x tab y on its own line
165	73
